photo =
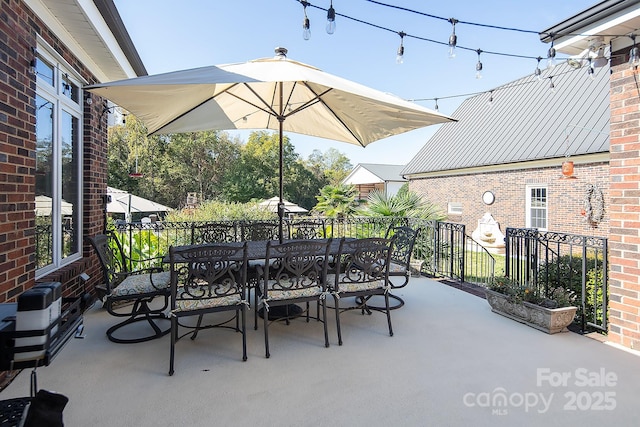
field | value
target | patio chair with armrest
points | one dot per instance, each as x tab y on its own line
361	271
208	278
128	280
294	272
259	230
399	269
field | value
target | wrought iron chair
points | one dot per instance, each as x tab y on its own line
362	271
405	238
259	230
216	232
208	278
294	272
306	229
131	280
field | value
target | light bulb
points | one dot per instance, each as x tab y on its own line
453	41
331	20
400	56
552	87
306	29
551	57
479	70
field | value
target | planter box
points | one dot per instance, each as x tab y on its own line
549	320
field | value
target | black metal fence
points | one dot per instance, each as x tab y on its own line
548	260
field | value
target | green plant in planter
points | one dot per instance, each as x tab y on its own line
557	297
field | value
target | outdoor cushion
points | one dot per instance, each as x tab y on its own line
278	294
197	304
141	284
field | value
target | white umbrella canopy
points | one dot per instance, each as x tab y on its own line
126	203
247	96
270	93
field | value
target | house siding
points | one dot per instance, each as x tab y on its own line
565	197
19	28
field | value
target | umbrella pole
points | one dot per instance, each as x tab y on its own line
281	176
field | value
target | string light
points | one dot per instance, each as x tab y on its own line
453	39
33	62
538	72
306	25
552	87
400	55
331	19
436	106
591	71
551	55
479	65
490	102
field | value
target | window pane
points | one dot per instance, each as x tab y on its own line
69	89
70	199
44	71
44	181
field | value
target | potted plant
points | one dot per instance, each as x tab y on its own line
550	312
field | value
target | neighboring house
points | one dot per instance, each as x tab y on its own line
53	137
368	177
506	158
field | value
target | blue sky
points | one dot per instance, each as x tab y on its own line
172	35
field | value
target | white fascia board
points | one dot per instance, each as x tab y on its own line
618	43
363	176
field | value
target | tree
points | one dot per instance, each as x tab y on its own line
337	201
331	166
256	175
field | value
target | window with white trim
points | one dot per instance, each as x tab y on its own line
537	207
58	111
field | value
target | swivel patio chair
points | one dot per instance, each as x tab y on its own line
362	271
205	279
399	269
294	272
129	287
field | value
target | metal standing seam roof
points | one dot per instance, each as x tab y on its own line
526	121
386	173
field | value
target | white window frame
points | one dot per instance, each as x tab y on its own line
61	103
529	206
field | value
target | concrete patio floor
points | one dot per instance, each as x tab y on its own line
451	362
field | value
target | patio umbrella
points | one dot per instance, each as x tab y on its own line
289	207
270	93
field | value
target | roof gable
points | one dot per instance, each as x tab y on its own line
373	172
526	122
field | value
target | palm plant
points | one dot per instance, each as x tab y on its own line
337	201
405	204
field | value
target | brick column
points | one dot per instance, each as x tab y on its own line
624	210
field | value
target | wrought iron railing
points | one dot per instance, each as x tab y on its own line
547	260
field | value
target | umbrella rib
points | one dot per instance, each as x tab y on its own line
318	98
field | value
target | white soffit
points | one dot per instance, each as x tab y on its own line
80	26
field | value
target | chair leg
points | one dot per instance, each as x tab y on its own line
324	322
174	334
337	309
243	313
197	328
386	300
255	307
265	318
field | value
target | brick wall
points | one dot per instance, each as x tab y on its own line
565	197
624	240
18	30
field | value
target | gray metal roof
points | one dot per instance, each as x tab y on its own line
525	122
384	172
